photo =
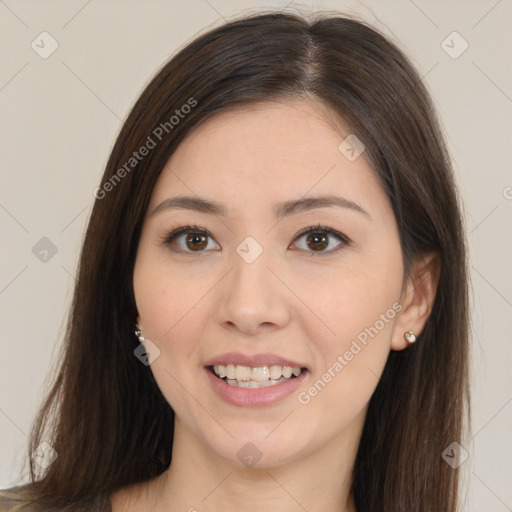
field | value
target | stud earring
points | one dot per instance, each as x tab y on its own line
139	335
410	337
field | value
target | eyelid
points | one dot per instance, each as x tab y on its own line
326	229
175	233
170	237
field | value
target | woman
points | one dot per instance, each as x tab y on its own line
271	304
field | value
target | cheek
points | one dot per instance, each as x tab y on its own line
355	296
360	305
169	310
342	385
165	295
172	304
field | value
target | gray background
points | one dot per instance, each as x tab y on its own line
60	116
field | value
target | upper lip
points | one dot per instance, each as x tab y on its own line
253	360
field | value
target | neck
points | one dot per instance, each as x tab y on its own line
199	480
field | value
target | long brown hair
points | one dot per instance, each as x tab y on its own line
105	415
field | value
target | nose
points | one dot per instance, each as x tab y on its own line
253	297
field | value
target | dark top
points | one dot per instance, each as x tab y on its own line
16	499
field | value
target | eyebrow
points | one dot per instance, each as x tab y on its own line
280	210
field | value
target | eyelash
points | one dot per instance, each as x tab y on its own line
168	239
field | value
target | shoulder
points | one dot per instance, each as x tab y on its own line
19	499
14	499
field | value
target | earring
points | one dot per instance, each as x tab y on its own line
410	337
139	335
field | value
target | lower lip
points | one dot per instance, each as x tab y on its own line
260	397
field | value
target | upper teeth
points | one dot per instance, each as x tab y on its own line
259	374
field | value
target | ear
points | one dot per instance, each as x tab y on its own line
417	300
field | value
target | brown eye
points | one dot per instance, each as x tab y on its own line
317	241
196	240
318	238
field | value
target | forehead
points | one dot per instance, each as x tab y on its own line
268	152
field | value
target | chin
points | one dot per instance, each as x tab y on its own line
259	449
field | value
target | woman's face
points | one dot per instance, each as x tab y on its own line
245	293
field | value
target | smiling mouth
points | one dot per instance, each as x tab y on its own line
240	376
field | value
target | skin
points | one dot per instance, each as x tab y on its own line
291	301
